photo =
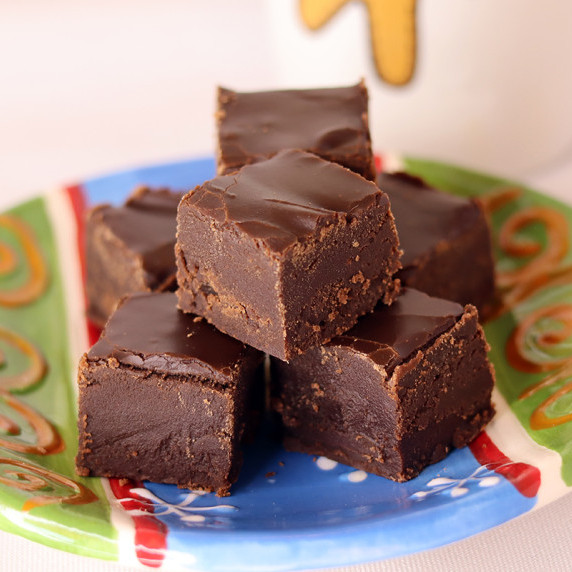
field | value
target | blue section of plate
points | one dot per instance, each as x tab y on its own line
291	511
180	175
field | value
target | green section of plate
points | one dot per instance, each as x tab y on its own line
510	381
84	528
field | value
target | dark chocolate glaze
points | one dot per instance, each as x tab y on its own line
148	332
160	201
390	334
284	199
147	225
423	215
330	122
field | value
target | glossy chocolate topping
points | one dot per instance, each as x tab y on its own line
148	332
390	334
424	216
329	122
162	201
284	199
147	224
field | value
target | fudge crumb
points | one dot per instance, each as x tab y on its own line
359	277
318	391
343	296
281	463
270	474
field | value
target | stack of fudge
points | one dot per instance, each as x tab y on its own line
363	289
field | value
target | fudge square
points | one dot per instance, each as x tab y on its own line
446	242
129	249
165	397
395	393
286	253
330	122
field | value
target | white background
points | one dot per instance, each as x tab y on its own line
89	87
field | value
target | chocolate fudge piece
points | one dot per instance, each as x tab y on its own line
129	249
332	123
164	396
286	253
395	393
446	242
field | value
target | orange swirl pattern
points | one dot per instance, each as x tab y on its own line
47	438
8	259
540	419
9	426
37	279
16	472
36	368
547	258
525	335
530	345
27	477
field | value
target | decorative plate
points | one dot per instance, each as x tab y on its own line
287	511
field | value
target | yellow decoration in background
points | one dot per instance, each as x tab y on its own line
393	33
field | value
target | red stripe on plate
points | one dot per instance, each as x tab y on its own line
524	477
79	206
150	532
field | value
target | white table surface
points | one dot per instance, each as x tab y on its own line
91	87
